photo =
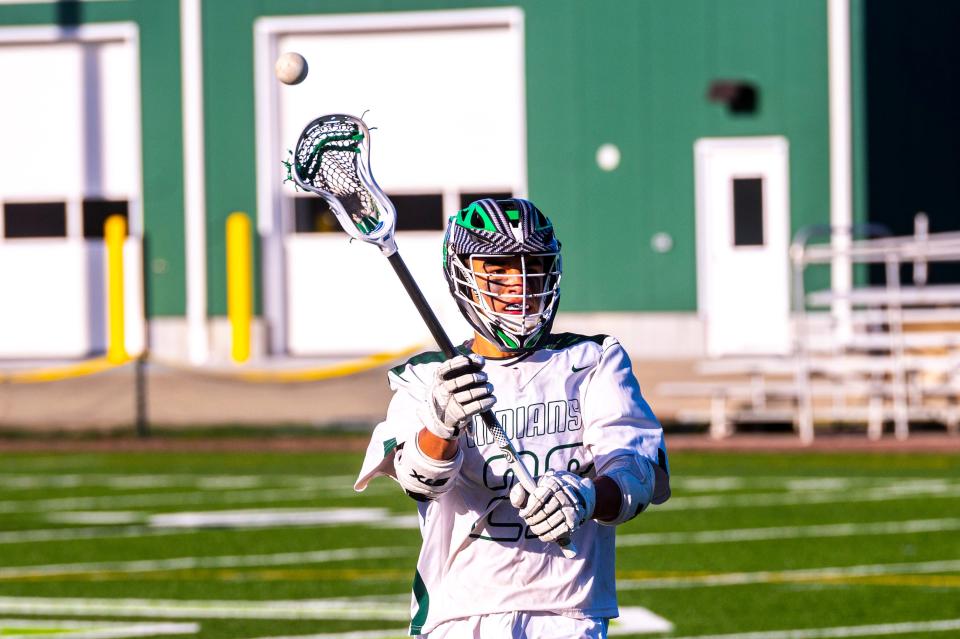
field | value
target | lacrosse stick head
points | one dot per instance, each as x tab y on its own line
332	159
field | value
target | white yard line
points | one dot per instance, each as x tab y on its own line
20	481
909	489
355	634
186	523
633	620
789	576
116	502
909	627
380	609
801	483
757	500
76	534
96	517
791	532
269	517
190	523
91	630
115	482
726	483
285	517
189	563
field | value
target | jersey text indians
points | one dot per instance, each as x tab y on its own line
532	420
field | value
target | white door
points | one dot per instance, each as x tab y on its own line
443	93
69	157
743	235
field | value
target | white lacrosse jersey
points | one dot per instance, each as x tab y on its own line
572	405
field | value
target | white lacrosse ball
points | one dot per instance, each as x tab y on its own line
608	157
291	68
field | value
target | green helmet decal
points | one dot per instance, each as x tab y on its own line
474	217
507	339
446	240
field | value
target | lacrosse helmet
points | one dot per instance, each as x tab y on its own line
527	295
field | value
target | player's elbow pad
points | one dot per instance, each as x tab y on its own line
423	477
633	474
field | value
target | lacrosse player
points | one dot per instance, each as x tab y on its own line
490	565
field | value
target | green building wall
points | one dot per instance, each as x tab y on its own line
636	74
630	72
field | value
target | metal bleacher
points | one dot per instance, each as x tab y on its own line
891	357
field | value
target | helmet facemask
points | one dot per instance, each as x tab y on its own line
513	298
502	263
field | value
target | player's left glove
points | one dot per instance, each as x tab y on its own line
459	390
562	502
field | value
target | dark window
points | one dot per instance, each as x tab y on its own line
414	213
419	212
467	198
96	212
312	215
35	219
748	211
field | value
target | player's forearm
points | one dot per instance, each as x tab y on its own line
625	485
608	499
435	447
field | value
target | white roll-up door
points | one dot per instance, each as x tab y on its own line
444	94
70	156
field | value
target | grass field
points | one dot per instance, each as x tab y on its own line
216	545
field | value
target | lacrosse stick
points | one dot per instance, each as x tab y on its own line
332	159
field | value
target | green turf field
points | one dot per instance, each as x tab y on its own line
785	546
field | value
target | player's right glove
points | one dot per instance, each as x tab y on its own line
561	503
459	391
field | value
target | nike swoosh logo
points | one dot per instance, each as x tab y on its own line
577	370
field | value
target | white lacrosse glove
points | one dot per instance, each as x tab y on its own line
562	502
458	392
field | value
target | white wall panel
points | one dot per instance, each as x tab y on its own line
443	92
70	129
53	299
445	103
41	127
120	103
71	120
346	300
45	298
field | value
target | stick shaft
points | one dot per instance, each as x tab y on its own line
423	307
440	335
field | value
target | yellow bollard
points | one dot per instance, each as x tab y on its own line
114	234
239	284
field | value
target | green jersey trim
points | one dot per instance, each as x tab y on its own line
552	341
424	358
423	604
560	341
389	445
